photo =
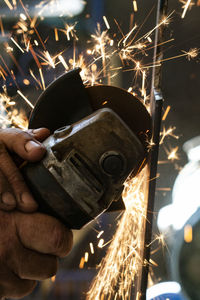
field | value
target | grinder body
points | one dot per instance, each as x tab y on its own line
85	167
91	151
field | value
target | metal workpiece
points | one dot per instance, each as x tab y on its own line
156	104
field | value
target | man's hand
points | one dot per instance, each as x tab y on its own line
29	247
26	144
29	243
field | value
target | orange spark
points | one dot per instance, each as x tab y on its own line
3	71
63	62
42	78
86	257
164	21
135	8
164	189
23	17
23	26
168	132
106	22
129	34
166	113
100	234
91	248
192	53
101	243
38	82
26	100
2	75
152	262
82	262
17	44
33	25
11	74
1	26
143	83
188	233
14	3
172	154
26	81
9	4
34	56
187	4
70	31
33	22
49	59
56	34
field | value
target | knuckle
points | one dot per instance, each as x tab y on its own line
57	237
15	177
62	240
7	208
29	131
21	133
22	136
15	135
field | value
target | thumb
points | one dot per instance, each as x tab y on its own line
25	143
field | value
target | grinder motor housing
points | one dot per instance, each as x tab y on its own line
90	160
87	161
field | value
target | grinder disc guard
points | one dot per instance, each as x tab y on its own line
67	101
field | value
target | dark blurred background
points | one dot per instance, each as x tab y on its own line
180	86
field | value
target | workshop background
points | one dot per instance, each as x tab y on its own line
180	86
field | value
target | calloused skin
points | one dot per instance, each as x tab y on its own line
31	242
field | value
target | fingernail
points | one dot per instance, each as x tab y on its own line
8	199
28	200
31	145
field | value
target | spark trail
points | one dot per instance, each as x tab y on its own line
119	269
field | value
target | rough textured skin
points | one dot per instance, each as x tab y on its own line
22	145
31	242
30	245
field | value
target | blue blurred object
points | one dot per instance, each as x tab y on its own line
170	290
97	11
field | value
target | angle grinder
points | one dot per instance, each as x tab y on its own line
99	136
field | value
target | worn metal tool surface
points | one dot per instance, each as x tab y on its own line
99	136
